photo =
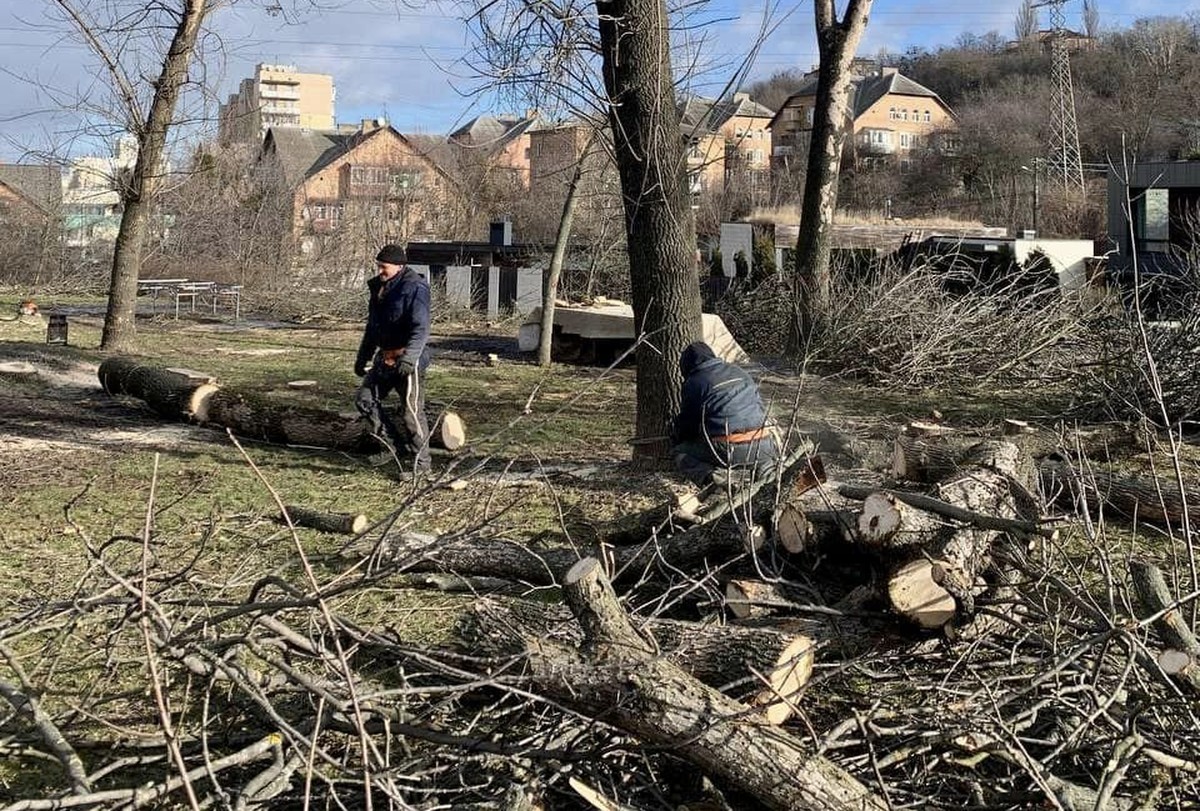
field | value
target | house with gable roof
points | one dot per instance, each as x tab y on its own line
367	186
500	144
724	136
29	193
892	116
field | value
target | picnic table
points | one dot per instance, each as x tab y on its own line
210	294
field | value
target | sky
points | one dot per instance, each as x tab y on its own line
403	59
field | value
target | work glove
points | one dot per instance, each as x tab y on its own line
360	368
405	366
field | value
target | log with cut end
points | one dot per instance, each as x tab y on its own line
1155	600
747	598
255	417
886	521
618	676
914	592
172	395
766	667
449	432
338	523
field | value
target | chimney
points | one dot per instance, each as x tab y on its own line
888	70
372	124
741	97
500	233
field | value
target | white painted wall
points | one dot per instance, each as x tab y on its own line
1068	256
458	285
736	236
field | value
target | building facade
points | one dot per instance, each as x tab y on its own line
892	116
276	97
91	196
726	138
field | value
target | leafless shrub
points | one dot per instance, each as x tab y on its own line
909	327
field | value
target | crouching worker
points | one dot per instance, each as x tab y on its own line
393	342
722	423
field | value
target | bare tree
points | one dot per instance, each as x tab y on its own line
1026	24
837	42
107	38
1091	18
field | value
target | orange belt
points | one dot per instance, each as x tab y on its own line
741	436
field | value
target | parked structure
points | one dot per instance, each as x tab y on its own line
358	190
725	137
277	96
892	116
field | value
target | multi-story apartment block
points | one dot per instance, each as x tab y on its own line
724	138
91	196
891	116
277	96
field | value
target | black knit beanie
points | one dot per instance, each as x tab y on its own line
392	255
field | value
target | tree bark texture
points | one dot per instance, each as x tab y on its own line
765	667
837	43
119	327
167	393
1137	498
618	678
660	230
514	560
256	418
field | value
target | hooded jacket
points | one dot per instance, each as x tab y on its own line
397	317
717	398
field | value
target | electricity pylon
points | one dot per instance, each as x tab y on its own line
1063	163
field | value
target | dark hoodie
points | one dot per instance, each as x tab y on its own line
718	398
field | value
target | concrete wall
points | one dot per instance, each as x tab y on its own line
1068	256
736	236
458	286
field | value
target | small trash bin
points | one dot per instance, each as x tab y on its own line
56	329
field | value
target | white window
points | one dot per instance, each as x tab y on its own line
892	114
928	117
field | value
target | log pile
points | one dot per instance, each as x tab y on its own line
191	397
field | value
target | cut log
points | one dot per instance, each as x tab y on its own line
498	557
914	593
254	417
1137	498
920	459
449	432
618	677
886	521
169	394
765	667
793	531
1155	599
338	523
756	598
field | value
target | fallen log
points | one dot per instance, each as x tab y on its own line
748	599
618	678
337	523
1157	500
1155	600
254	417
765	667
715	544
167	393
940	584
448	432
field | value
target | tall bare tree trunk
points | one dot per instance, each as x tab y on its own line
659	226
832	119
119	327
546	340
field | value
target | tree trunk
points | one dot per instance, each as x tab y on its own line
619	679
167	393
119	326
1144	499
255	418
546	339
837	43
635	49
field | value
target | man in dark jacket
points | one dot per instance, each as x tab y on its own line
722	422
394	343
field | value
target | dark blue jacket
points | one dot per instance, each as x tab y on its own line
397	317
718	398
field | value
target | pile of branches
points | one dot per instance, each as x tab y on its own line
1038	688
